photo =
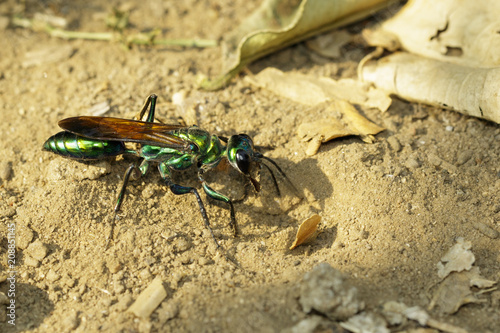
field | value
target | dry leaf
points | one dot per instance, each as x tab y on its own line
473	91
455	31
310	90
348	122
278	24
457	259
456	55
396	312
307	231
459	276
455	291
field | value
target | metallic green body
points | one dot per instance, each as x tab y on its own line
207	150
73	146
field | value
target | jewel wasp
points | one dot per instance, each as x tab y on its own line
170	147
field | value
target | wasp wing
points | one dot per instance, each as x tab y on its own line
118	129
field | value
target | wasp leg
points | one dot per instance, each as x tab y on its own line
140	171
151	100
179	189
217	196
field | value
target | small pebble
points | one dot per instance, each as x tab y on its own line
24	237
145	274
5	170
464	157
29	261
124	302
37	250
168	311
202	261
52	276
148	192
179	97
119	287
181	244
412	163
70	322
325	290
7	212
449	128
114	266
68	282
434	159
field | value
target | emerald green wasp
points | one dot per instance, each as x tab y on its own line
170	147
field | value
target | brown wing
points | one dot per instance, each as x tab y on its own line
118	129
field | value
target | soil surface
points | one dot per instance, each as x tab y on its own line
390	210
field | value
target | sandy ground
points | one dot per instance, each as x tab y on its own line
390	209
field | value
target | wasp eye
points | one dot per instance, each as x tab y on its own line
243	161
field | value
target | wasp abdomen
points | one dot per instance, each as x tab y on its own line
70	145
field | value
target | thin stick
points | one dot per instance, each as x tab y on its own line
139	39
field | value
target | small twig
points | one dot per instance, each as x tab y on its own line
138	39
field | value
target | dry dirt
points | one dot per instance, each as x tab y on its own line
390	209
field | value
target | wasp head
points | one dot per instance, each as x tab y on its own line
241	155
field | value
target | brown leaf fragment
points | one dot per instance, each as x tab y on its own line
454	292
458	258
348	122
308	231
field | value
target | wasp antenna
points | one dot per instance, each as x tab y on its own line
274	179
283	174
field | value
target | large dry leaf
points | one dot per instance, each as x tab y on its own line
473	91
455	31
458	48
277	24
